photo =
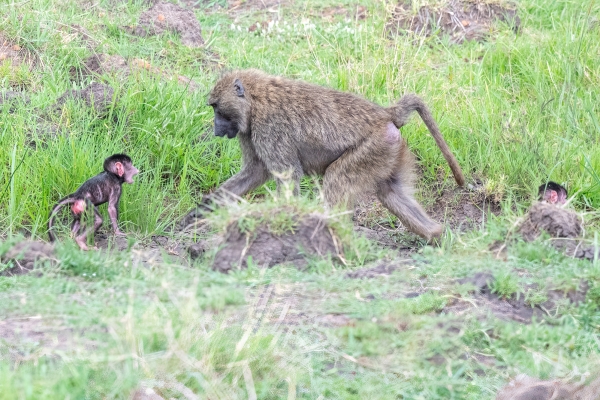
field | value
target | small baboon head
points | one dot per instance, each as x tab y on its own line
121	166
552	193
231	103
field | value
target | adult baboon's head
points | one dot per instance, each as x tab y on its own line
231	103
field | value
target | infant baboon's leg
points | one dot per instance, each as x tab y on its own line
75	225
396	194
81	239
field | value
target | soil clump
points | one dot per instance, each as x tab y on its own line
98	65
558	222
164	16
460	19
463	209
97	96
563	225
310	235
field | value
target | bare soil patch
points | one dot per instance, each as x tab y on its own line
97	96
524	387
514	308
98	65
164	16
29	338
18	332
310	236
25	256
460	19
463	209
11	51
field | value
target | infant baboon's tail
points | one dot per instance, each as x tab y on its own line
401	112
61	202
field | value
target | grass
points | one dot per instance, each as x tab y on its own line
515	110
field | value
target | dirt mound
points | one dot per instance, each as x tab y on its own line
99	64
515	307
163	16
460	19
463	209
13	99
557	221
97	96
563	225
460	208
524	387
310	235
24	255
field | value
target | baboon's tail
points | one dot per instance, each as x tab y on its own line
400	113
62	202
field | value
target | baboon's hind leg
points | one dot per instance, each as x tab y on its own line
396	194
357	170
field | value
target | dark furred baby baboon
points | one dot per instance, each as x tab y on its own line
552	193
102	188
292	126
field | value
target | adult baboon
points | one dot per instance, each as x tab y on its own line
289	125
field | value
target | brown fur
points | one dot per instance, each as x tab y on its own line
292	126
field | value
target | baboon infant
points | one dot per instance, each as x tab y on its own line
106	187
292	126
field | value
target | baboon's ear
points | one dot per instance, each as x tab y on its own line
119	169
239	88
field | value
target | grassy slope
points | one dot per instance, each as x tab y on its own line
174	326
